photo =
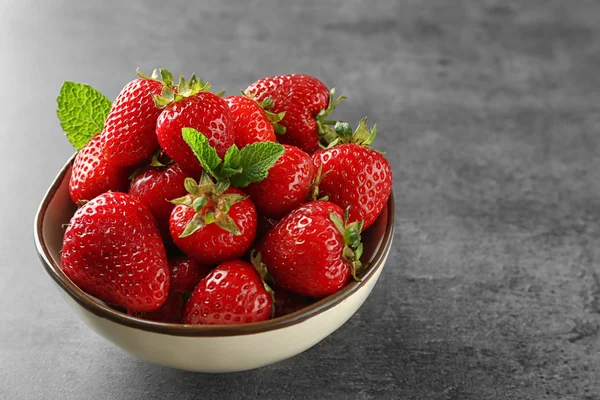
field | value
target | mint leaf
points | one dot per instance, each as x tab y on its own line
82	111
232	162
256	160
239	167
207	155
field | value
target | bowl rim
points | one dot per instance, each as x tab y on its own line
101	310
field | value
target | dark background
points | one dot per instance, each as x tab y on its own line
489	113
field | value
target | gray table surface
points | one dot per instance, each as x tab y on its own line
489	113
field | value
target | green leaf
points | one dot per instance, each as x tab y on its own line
351	236
359	251
256	160
227	223
267	103
166	76
182	86
142	75
275	119
199	203
207	155
231	162
221	186
185	200
155	74
233	198
196	223
82	111
205	184
232	157
337	221
343	130
209	217
191	186
372	135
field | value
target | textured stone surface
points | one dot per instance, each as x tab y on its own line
489	113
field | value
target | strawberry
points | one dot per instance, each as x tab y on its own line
170	312
312	251
128	134
112	250
265	224
353	174
193	107
233	293
287	185
287	302
306	102
251	120
185	275
156	187
213	225
92	175
216	222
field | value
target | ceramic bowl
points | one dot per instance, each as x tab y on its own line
206	348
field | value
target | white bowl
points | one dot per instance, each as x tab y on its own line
205	348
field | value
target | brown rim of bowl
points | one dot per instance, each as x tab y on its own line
101	310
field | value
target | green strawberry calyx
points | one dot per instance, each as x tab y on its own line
266	278
267	105
353	247
172	93
210	203
238	168
343	134
161	75
159	161
325	125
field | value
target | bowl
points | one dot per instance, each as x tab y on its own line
207	348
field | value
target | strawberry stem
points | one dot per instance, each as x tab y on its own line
314	187
323	123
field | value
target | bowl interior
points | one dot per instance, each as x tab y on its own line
57	209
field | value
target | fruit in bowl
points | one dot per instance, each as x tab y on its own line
210	244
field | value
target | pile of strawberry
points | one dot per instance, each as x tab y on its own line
196	208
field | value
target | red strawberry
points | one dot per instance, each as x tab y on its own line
287	185
233	293
129	131
250	120
170	312
265	224
213	225
185	275
156	187
194	108
312	251
306	102
287	302
112	250
91	174
354	175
